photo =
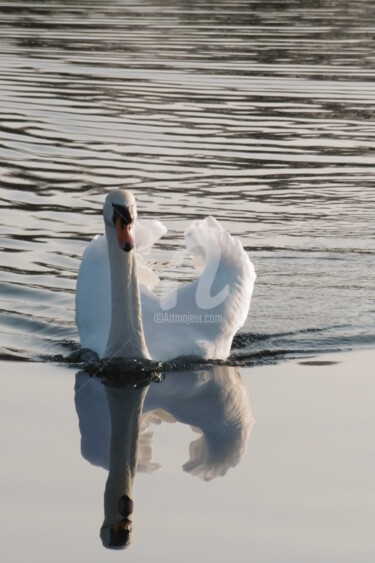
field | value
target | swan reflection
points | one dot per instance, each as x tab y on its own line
115	431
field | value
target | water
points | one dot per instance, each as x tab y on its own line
260	113
300	481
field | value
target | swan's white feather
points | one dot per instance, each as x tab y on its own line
147	233
93	296
199	318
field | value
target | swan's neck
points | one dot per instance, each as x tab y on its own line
126	338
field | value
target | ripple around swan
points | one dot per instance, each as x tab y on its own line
256	112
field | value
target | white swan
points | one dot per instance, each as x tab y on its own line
118	314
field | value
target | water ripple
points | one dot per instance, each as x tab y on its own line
258	112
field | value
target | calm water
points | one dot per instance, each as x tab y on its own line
299	484
260	113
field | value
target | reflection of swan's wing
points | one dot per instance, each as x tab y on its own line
202	317
225	421
215	402
93	295
94	419
225	425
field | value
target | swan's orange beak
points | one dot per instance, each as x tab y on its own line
124	235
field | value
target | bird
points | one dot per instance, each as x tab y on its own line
118	313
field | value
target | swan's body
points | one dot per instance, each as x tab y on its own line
118	314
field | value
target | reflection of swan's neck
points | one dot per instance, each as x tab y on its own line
126	338
125	407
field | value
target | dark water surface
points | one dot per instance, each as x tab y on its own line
259	113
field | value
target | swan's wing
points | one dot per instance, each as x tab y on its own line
93	293
147	233
202	317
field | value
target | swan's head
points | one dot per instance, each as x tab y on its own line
119	535
120	213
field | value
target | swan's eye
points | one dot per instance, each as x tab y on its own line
123	221
121	212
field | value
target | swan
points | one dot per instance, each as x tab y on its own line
119	315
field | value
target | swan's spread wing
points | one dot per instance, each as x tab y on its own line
93	294
147	233
202	317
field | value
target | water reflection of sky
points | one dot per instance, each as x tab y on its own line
302	486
